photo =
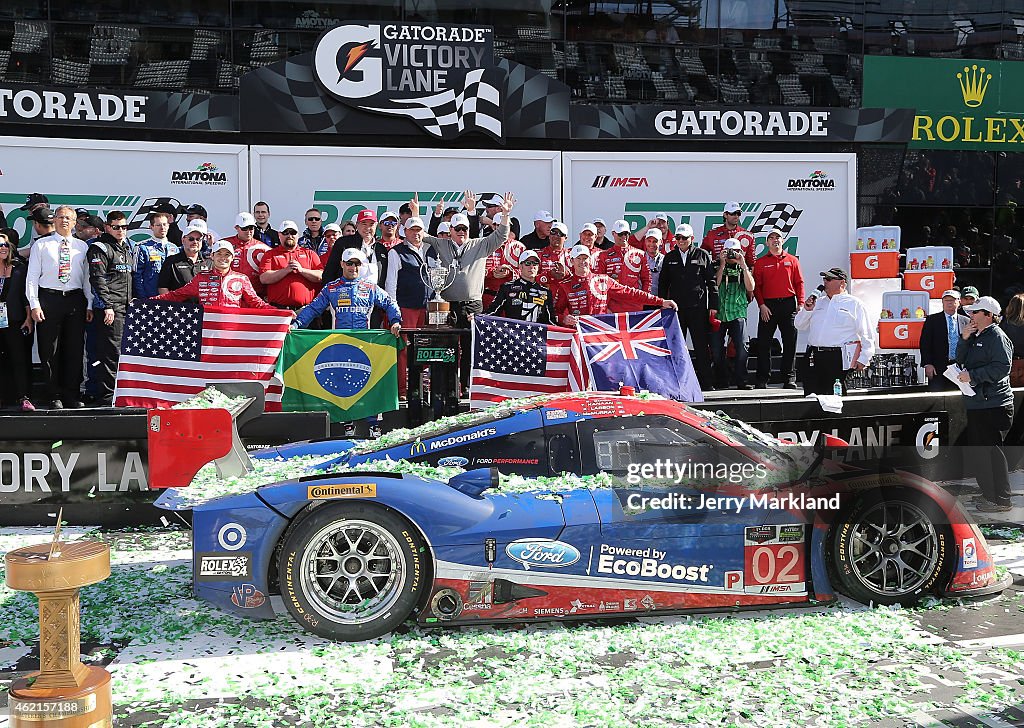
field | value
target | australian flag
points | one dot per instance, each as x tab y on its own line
645	350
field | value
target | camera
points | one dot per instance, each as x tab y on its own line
732	255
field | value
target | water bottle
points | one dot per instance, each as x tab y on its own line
837	388
425	386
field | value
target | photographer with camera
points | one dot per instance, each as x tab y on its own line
735	291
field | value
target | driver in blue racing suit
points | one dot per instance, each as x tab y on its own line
353	300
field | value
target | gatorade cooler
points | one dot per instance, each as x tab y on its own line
875	252
902	319
929	269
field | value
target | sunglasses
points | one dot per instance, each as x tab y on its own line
460	228
389	223
733	213
557	234
531	262
5	245
353	263
118	227
248	227
312	219
194	238
289	232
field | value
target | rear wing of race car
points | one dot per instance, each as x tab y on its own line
181	441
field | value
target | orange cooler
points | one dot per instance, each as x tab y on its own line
875	264
902	319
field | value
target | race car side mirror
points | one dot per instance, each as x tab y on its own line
475	482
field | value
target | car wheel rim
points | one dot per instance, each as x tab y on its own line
894	549
353	571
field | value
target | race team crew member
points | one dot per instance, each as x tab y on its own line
290	272
554	257
182	267
110	273
352	299
715	238
524	299
833	320
585	293
779	291
658	222
626	264
249	250
220	286
502	265
151	254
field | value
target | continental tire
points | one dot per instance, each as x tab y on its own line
352	571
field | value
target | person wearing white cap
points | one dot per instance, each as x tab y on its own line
735	291
542	222
524	299
688	278
655	259
715	238
939	336
492	208
985	354
585	293
502	265
351	298
248	249
150	255
603	242
444	211
658	222
554	257
626	264
779	290
388	225
220	286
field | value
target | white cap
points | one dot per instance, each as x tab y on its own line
288	225
776	231
653	233
661	216
543	216
459	219
414	222
733	244
685	230
952	294
527	254
245	219
388	214
353	254
443	227
985	303
560	227
333	226
493	200
600	221
620	226
498	217
222	245
198	226
732	207
578	250
589	227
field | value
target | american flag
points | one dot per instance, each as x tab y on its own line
521	359
170	351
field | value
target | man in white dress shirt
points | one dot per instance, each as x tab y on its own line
833	320
60	299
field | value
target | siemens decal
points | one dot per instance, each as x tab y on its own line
647	562
459	439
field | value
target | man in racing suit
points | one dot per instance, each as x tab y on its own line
554	257
501	267
524	299
220	286
585	293
353	300
150	256
626	264
714	241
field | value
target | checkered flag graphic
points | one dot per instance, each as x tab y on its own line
781	215
476	107
140	218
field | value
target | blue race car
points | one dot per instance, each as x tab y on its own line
677	509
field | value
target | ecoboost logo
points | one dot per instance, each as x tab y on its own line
816	181
205	174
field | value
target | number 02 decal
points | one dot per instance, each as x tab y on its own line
775	565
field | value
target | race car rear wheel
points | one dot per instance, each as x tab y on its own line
891	548
352	571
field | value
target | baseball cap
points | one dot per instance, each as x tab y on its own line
288	225
81	211
405	209
653	233
620	226
333	226
776	231
36	198
389	215
493	200
96	221
245	219
450	210
731	207
733	244
600	221
560	227
834	274
43	214
168	207
459	219
685	230
970	291
366	215
543	216
199	226
443	227
952	294
222	245
196	209
353	254
985	303
578	250
661	216
527	255
589	227
414	222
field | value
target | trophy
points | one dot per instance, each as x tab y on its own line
438	278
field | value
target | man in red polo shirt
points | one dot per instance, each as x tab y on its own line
779	290
290	272
715	239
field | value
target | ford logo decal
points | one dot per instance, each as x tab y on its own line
452	462
542	552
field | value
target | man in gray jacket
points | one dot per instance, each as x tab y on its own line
469	256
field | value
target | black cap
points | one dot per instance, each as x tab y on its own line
405	209
169	208
43	214
81	211
12	236
36	198
451	210
835	274
96	221
196	210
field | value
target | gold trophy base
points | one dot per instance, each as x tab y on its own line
437	314
87	706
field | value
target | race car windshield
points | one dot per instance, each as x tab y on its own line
760	444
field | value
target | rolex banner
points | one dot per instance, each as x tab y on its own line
349	374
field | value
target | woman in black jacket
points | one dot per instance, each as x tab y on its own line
15	326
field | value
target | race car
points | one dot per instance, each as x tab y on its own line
691	511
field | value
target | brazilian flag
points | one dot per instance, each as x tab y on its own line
350	374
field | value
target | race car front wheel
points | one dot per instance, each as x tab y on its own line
351	571
891	548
